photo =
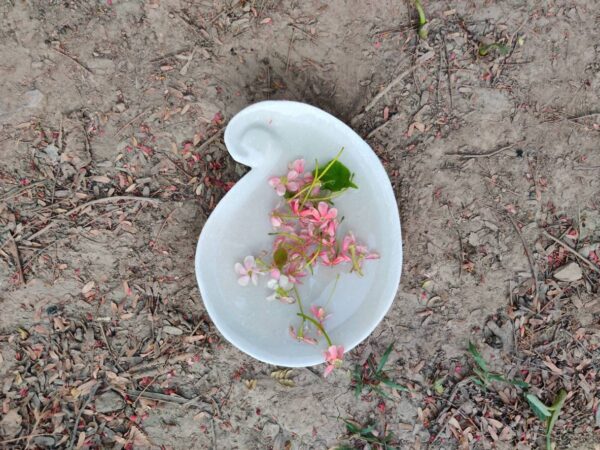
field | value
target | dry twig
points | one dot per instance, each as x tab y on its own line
590	264
488	154
530	260
83	406
94	202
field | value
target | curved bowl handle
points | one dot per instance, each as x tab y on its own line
251	139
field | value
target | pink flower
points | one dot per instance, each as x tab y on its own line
356	253
324	216
319	313
295	207
302	338
297	166
275	220
329	258
248	271
293	181
294	271
279	186
334	357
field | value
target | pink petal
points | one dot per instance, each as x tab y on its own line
249	262
280	190
274	181
292	175
243	281
328	371
292	186
323	208
331	353
298	165
314	310
239	269
276	221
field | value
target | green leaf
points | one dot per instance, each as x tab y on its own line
438	386
280	257
352	426
538	407
484	50
519	383
497	377
477	381
555	408
335	176
381	392
394	385
384	359
477	357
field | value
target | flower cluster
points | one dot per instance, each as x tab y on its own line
305	225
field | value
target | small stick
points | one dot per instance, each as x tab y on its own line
529	259
583	116
391	120
145	389
163	225
396	80
132	120
453	395
488	154
95	202
587	167
287	62
211	139
20	438
19	191
170	359
448	71
83	66
158	397
17	258
573	251
110	349
87	400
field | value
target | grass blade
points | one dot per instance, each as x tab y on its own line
384	359
540	410
393	385
556	407
477	357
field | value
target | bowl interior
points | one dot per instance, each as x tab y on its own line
272	134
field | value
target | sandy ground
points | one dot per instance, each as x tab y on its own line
100	310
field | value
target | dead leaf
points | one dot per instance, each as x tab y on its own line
80	440
11	423
88	287
138	438
266	21
100	179
552	366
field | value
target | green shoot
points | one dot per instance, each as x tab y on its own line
547	414
484	49
366	433
422	30
484	377
373	377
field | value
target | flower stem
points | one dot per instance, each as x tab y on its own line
318	176
318	325
333	290
301	313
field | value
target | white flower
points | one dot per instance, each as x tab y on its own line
249	271
281	287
